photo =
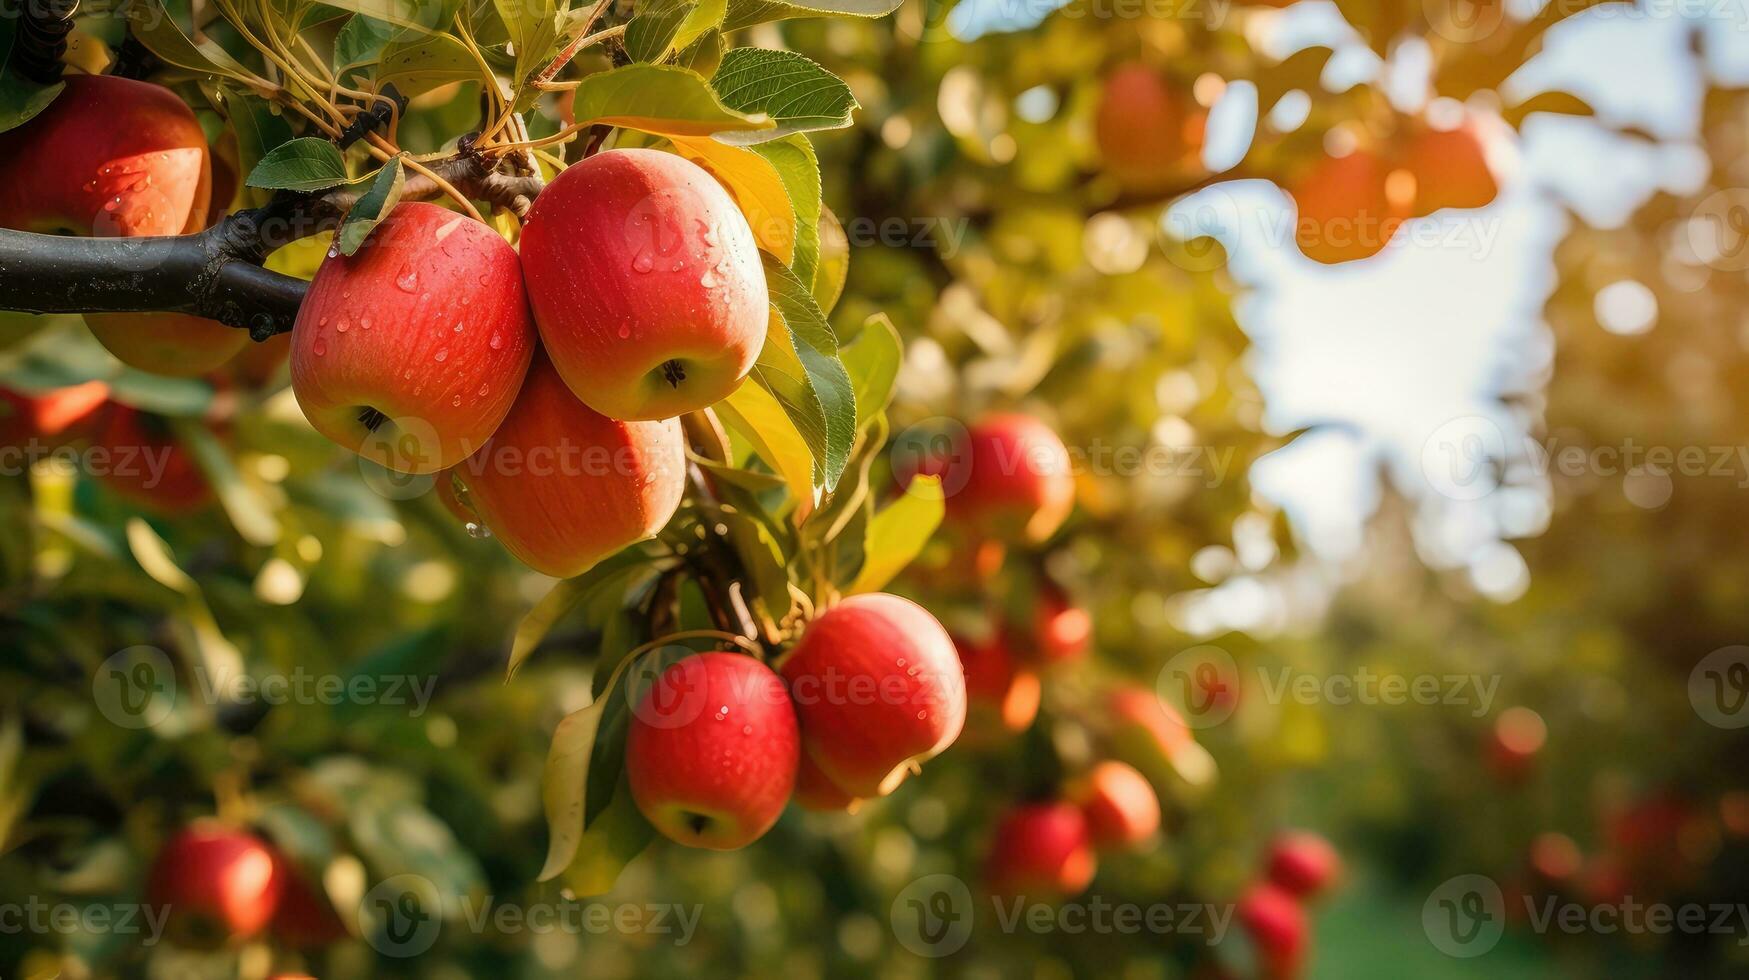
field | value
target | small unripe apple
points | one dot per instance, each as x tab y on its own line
1451	168
49	415
1041	851
1001	696
563	486
411	351
1008	477
646	283
1303	863
177	345
1343	210
1148	134
1062	631
816	791
1277	926
711	751
217	883
1121	807
142	461
878	690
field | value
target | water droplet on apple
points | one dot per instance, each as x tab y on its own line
407	374
922	715
456	401
678	265
408	280
112	204
624	331
478	530
458	326
643	263
709	280
342	326
497	341
320	348
441	355
364	323
484	389
321	321
746	729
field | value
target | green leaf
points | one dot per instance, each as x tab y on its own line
706	17
618	835
769	427
896	535
652	33
795	92
20	98
418	65
360	43
259	129
378	200
303	164
794	160
659	99
561	599
533	27
746	13
245	507
155	28
424	16
873	360
704	55
816	348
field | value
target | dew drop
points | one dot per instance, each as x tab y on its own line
483	390
624	331
441	355
678	265
643	263
112	204
320	348
407	374
497	341
709	280
922	715
90	186
458	326
456	401
364	323
746	729
408	280
342	326
478	530
321	321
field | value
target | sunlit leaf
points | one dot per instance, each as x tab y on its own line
794	160
896	535
373	206
419	64
796	93
303	164
745	13
659	99
757	187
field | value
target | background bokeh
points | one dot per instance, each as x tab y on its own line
1500	465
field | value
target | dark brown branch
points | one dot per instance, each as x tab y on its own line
216	273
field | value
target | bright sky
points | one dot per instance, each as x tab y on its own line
1407	355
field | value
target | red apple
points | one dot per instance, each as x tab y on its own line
816	791
1343	210
1303	863
711	751
1451	168
110	157
1008	477
218	884
304	917
1139	717
44	416
1119	803
118	158
1062	631
138	457
1001	696
564	487
411	351
1041	851
1148	133
1278	929
1555	857
646	283
878	690
256	365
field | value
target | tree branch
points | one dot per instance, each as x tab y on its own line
216	273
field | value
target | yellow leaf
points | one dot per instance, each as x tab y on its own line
756	187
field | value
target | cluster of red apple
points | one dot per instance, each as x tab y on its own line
1300	866
1047	850
1150	135
545	381
219	884
1349	207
